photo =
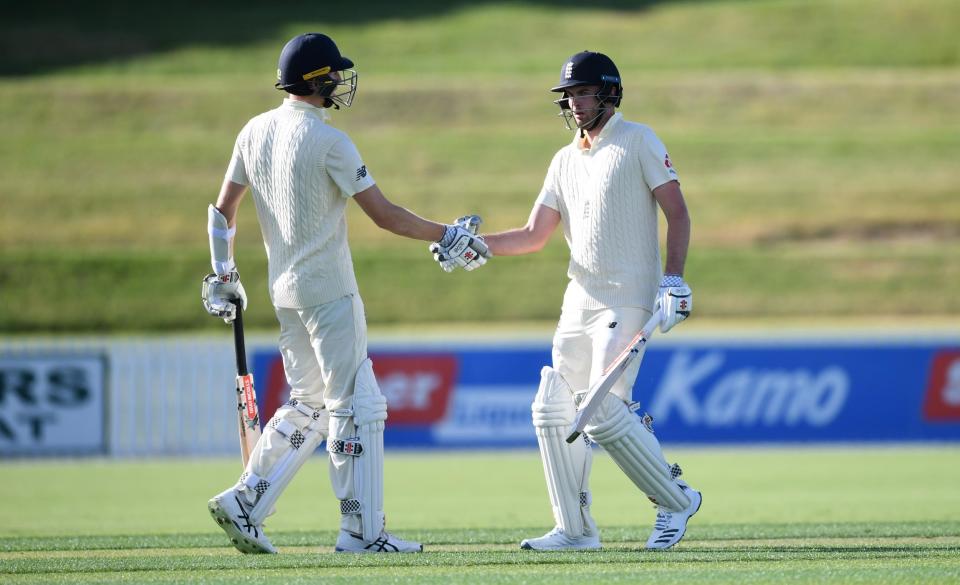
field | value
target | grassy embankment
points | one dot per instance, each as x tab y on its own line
816	141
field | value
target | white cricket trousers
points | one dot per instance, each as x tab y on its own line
322	347
586	341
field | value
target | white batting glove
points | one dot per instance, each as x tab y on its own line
460	246
675	301
220	294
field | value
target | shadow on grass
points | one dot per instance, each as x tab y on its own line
45	36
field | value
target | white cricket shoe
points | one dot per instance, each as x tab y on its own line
669	527
556	539
387	543
232	513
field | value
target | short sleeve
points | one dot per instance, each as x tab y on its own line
346	168
656	164
236	170
550	192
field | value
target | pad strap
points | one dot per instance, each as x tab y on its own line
255	482
350	506
351	446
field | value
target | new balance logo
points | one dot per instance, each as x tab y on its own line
362	172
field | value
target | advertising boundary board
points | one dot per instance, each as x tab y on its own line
701	391
54	403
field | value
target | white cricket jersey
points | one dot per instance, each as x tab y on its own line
605	198
301	173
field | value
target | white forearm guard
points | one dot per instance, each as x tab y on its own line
221	237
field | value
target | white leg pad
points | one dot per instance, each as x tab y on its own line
356	456
289	439
566	466
637	452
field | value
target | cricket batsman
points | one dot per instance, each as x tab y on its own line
605	188
302	172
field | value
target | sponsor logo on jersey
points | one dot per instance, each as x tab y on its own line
362	172
942	400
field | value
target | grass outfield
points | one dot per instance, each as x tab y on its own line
816	140
809	515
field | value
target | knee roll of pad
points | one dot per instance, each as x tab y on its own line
289	439
637	452
356	454
565	466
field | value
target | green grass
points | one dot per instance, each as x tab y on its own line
842	515
816	142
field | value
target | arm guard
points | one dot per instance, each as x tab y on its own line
221	241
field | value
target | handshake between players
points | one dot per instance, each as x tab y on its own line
461	246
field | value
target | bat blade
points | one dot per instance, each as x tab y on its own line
248	416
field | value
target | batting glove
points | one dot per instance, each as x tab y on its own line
460	246
675	301
220	294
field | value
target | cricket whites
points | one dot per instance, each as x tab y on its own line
611	374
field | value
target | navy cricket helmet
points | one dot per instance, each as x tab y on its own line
305	65
590	68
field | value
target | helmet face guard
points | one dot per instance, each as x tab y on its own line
337	92
589	68
604	99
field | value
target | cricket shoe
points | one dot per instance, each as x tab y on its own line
387	543
669	527
556	539
232	513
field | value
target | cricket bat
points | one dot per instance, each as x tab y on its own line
593	399
248	416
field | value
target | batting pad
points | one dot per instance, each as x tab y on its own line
637	452
289	439
220	236
566	466
356	456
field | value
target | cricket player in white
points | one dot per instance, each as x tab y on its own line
302	172
605	188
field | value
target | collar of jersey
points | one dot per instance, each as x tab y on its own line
301	105
604	132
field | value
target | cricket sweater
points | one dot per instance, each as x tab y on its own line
604	194
301	173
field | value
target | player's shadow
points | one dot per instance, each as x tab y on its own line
45	35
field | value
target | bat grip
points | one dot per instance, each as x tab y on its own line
238	345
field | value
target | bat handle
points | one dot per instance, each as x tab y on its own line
238	344
573	437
